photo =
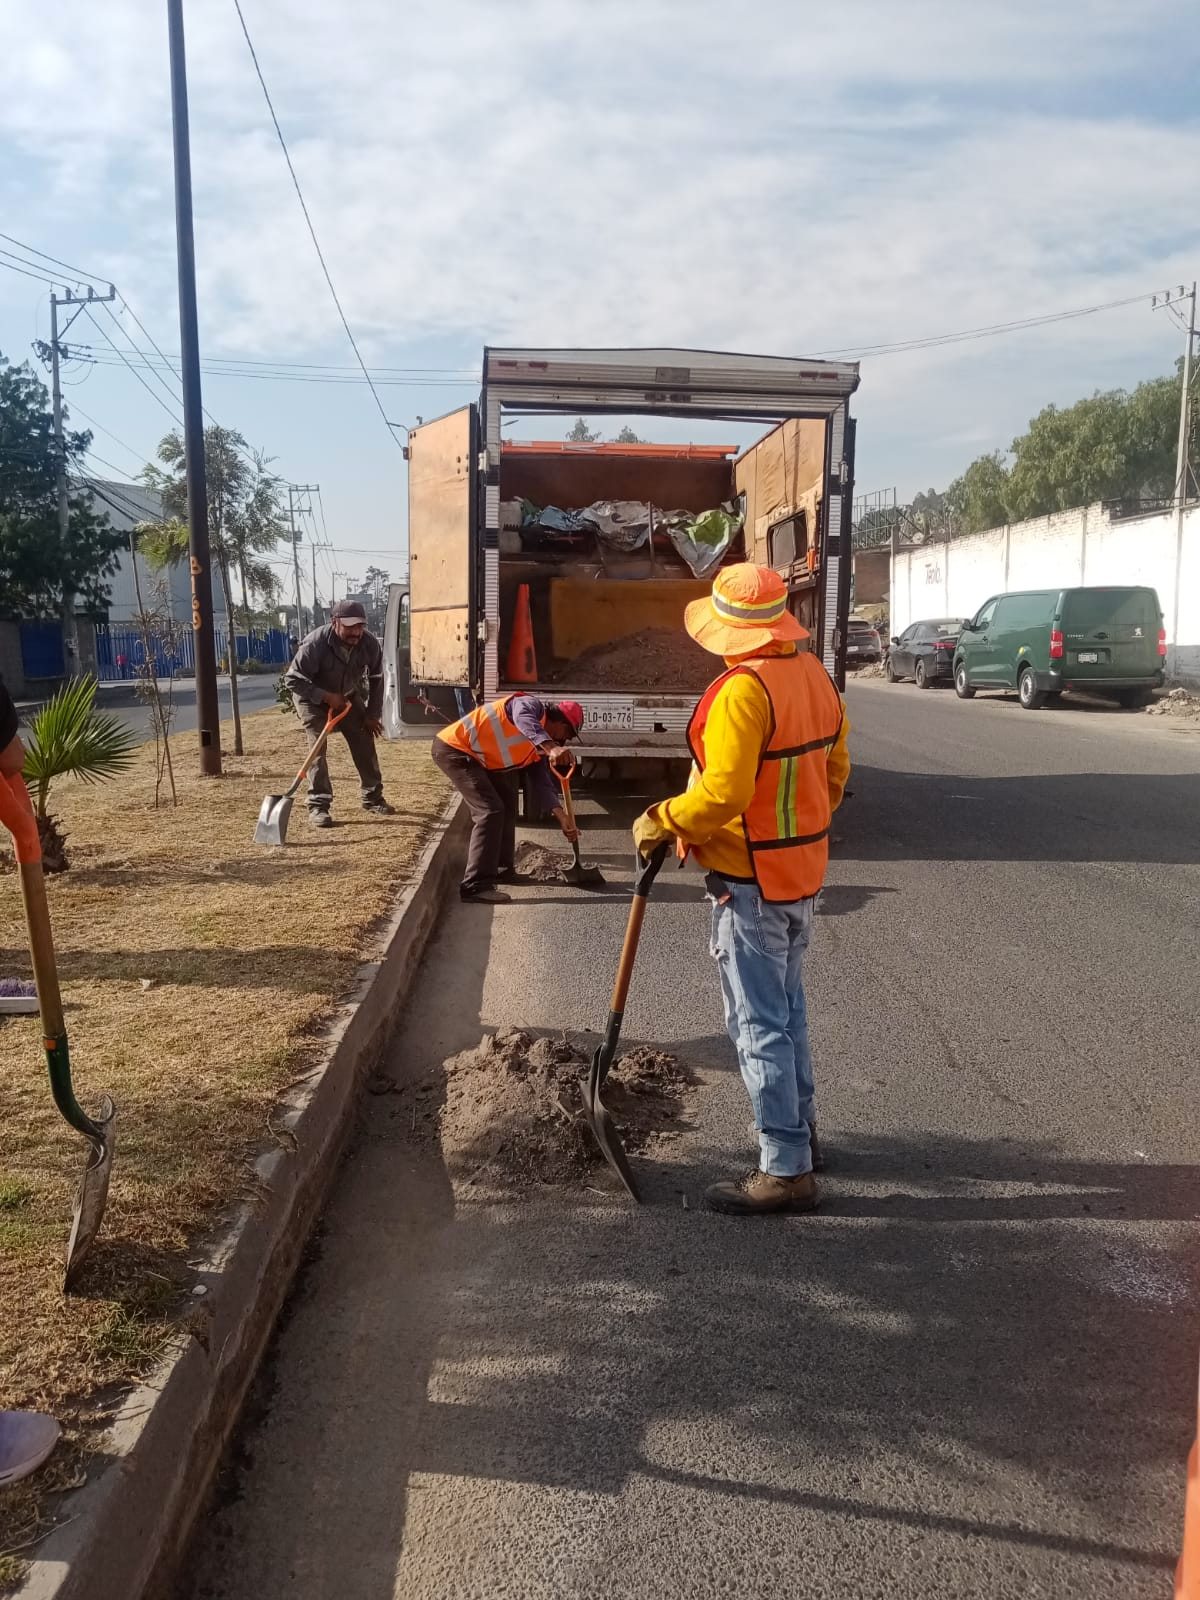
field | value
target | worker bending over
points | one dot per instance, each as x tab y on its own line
768	742
482	755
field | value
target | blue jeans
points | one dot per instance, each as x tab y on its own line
759	950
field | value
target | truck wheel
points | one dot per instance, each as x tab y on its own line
923	679
962	687
1030	696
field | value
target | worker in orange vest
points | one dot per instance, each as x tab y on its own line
768	743
482	755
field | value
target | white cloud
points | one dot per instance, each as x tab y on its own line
784	177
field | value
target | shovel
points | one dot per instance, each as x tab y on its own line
577	875
598	1120
16	812
272	824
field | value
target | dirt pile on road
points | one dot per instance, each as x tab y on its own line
656	658
1177	703
509	1111
874	669
539	864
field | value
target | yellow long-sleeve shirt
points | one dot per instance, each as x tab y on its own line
708	815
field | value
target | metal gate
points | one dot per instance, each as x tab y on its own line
42	653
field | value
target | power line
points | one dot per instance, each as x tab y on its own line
988	332
174	396
214	369
311	229
30	250
136	454
178	421
25	273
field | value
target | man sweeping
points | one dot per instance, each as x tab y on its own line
483	754
334	666
768	742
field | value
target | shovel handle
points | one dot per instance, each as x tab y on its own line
648	871
331	723
17	814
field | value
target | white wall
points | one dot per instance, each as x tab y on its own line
1083	546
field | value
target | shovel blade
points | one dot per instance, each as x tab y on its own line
92	1195
272	824
604	1129
583	877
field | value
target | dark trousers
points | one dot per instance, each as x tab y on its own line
362	752
492	801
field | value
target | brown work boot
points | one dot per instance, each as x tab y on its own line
760	1192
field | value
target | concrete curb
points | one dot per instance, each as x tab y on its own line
130	1523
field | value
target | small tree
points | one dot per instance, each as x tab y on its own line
375	587
582	434
245	523
69	736
160	636
627	436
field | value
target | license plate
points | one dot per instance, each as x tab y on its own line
608	717
1088	658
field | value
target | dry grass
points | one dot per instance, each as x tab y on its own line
196	970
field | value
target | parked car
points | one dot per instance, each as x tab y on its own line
925	652
863	644
1039	643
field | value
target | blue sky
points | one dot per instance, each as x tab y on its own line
780	177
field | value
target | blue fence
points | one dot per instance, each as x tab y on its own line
42	650
120	652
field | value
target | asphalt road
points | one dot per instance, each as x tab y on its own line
973	1373
254	693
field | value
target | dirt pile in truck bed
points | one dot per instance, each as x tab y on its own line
655	658
509	1111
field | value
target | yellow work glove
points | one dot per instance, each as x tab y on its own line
648	831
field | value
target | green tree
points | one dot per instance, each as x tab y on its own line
375	587
41	574
1114	445
979	499
245	524
627	436
582	434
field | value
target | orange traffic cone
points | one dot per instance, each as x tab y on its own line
521	665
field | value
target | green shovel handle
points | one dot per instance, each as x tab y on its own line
45	975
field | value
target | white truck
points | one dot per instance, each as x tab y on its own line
471	570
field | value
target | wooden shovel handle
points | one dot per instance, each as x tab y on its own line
331	723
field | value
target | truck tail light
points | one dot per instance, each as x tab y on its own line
1162	641
1056	645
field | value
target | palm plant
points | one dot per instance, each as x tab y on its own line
69	736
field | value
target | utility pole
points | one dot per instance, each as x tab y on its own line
1183	466
208	715
293	490
313	552
70	626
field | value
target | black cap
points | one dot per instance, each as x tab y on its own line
350	611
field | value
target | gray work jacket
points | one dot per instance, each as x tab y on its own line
323	664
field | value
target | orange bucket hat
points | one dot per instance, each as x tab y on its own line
746	610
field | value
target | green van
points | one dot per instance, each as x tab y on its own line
1043	641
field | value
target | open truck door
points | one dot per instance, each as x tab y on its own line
443	475
395	660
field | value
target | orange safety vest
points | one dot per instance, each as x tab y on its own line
787	821
492	737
